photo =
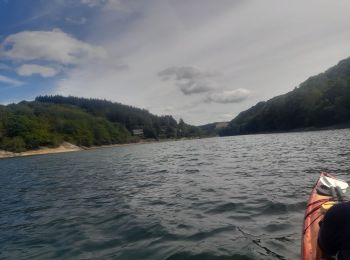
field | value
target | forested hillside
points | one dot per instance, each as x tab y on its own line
320	101
51	120
131	117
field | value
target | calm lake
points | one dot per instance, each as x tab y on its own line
240	197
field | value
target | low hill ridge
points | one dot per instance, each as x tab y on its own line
321	101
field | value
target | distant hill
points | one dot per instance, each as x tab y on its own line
321	101
51	120
131	117
213	129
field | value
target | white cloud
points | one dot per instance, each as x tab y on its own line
227	116
122	6
191	80
30	69
169	109
54	46
93	3
228	96
263	46
78	21
10	81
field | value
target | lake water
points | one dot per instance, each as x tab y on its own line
240	197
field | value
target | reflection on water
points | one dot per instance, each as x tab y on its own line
239	197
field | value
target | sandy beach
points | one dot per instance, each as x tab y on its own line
63	148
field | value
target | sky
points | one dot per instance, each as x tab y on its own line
201	60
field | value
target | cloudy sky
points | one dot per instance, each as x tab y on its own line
200	60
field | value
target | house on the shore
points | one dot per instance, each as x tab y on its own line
138	132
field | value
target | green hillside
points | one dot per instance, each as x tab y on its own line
321	101
50	120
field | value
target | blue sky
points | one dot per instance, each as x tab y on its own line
200	60
35	15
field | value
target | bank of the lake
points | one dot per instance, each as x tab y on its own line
63	148
68	147
301	130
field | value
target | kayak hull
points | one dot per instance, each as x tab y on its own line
313	215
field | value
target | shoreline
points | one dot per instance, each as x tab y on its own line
298	130
68	147
63	148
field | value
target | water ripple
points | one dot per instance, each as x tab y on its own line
239	197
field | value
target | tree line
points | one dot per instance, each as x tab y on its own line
320	101
50	120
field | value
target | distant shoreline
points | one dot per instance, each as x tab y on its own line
68	147
298	130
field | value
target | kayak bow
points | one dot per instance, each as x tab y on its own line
326	192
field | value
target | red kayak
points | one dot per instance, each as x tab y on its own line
321	199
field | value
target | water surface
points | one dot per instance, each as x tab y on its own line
240	197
